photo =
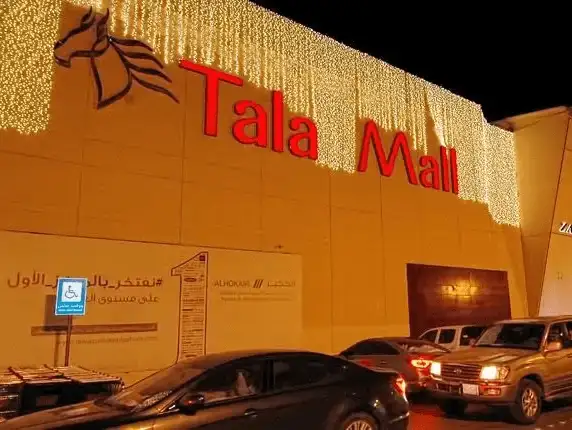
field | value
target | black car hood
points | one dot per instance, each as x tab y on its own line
88	412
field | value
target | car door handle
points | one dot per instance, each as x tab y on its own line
250	413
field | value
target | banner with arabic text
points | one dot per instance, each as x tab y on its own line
148	305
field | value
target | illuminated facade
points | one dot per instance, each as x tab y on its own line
266	137
319	77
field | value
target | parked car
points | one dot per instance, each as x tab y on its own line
454	337
412	358
515	364
252	390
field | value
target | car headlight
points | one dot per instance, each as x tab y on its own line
494	373
436	368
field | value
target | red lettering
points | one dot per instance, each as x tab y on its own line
259	122
454	172
429	176
310	135
386	166
277	121
213	78
445	177
432	174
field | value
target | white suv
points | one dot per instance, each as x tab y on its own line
454	337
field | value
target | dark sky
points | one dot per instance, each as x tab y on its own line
509	61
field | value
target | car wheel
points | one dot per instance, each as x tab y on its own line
359	421
527	406
453	407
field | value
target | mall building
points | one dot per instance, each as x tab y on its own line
407	209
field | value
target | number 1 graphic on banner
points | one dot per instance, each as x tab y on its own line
192	275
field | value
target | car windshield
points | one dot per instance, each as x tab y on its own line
513	335
418	346
154	388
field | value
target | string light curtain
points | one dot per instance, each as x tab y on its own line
320	78
28	30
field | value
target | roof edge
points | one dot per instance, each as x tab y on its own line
518	122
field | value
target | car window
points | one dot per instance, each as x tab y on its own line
301	372
419	346
372	347
430	336
231	381
568	341
446	335
151	390
560	333
470	333
512	335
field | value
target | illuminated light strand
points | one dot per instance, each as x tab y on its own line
167	40
113	17
192	37
124	17
156	13
223	47
28	30
137	21
335	118
320	78
205	39
184	30
417	119
503	198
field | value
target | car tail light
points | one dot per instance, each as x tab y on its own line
400	385
365	363
421	363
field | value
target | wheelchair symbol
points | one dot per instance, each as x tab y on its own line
71	292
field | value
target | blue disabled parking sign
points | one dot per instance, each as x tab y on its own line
71	296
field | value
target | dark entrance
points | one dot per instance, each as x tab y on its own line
440	296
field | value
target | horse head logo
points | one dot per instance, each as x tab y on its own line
93	28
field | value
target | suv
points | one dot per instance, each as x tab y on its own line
454	337
516	364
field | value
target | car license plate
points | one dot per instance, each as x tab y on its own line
472	390
44	401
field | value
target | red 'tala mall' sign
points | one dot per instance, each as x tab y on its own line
302	138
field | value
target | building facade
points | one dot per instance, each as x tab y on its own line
399	203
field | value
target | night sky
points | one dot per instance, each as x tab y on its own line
509	61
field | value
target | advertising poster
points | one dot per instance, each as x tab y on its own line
148	305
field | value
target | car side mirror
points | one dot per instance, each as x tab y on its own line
553	346
190	403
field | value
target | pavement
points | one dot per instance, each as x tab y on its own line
426	416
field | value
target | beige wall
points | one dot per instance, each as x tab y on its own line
557	286
540	141
142	170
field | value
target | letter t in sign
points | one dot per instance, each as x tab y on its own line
193	283
213	78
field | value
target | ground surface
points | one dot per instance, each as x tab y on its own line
427	416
